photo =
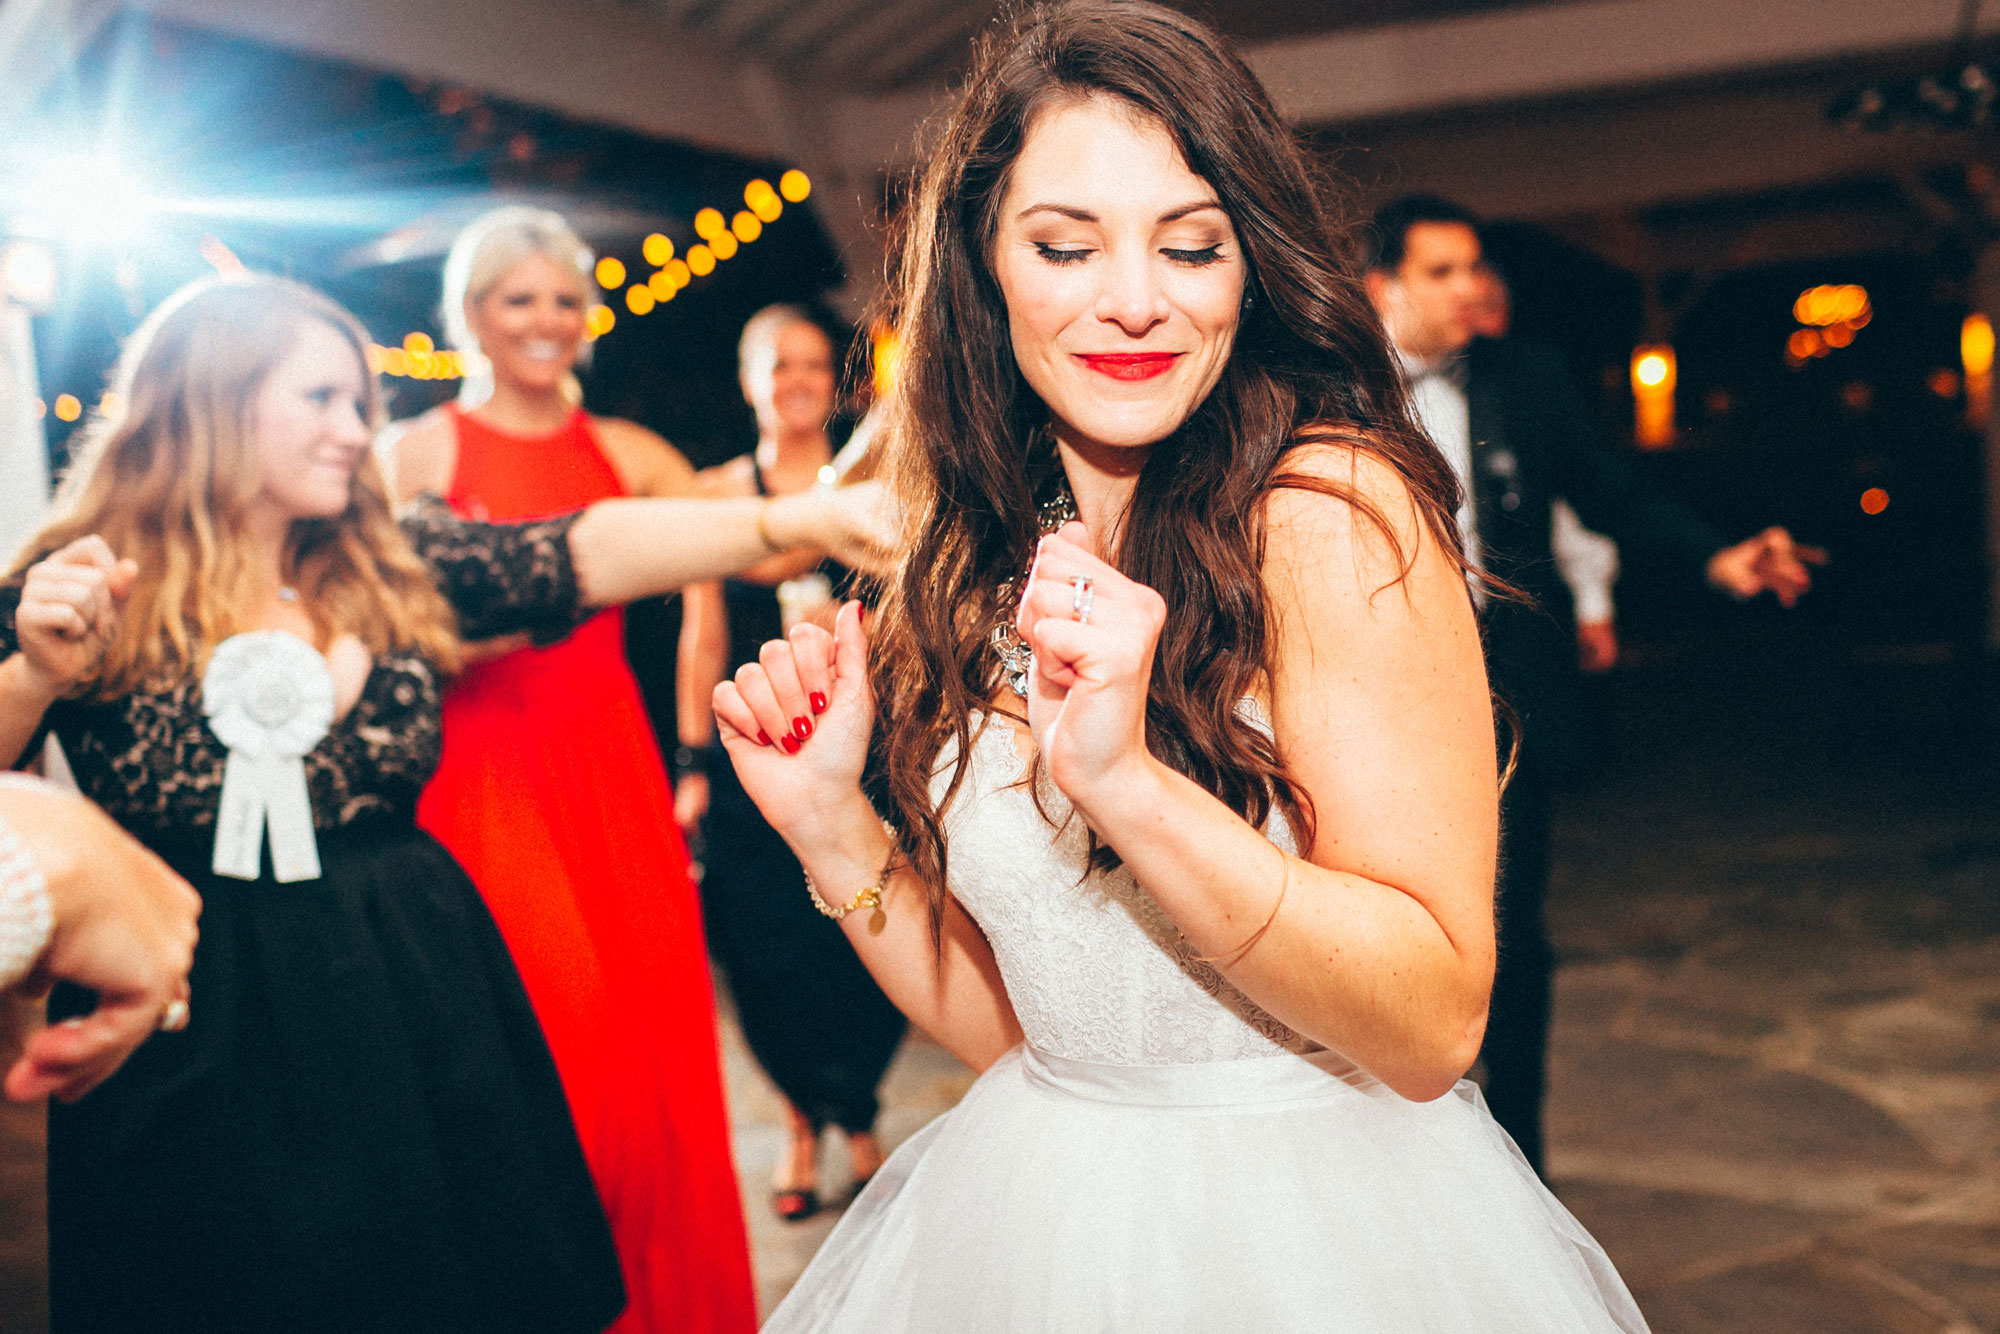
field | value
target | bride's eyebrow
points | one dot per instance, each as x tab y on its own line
1085	215
1060	210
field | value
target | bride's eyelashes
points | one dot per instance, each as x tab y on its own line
1191	258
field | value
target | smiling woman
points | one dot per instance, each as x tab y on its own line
1180	669
1119	267
360	1127
552	793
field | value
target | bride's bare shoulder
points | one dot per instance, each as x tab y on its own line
1340	488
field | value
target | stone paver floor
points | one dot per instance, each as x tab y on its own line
1775	1085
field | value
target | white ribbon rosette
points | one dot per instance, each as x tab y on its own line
269	697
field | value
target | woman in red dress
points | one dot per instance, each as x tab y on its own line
553	795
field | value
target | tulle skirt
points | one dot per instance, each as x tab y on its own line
1282	1193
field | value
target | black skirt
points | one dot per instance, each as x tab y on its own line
361	1129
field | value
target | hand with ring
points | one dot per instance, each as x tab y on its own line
124	927
1093	632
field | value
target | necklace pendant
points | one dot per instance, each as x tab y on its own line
286	593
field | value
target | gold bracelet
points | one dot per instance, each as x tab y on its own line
1284	885
869	897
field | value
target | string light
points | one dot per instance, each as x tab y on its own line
1828	304
763	200
721	238
68	407
417	359
1874	500
1830	314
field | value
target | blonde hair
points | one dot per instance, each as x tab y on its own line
168	480
489	247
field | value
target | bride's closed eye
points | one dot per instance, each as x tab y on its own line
1060	254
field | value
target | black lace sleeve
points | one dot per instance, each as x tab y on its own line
501	578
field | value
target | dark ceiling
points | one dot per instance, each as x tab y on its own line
875	45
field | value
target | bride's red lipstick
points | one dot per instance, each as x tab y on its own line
1130	365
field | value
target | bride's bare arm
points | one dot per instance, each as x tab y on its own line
809	789
1383	945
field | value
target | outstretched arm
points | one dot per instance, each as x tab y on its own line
1378	940
632	548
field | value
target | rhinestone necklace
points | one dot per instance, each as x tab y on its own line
1017	660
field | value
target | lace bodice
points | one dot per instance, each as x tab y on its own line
1095	971
151	761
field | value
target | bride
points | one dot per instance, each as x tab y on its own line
1193	820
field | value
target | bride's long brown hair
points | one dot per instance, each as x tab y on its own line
969	445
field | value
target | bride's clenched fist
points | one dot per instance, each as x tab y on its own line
796	723
1093	632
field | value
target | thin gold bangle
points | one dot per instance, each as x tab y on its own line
1284	886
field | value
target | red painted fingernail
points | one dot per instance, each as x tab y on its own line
791	746
763	737
802	727
818	702
861	614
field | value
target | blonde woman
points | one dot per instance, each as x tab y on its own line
358	1127
553	795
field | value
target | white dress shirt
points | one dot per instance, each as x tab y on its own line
1437	391
1586	560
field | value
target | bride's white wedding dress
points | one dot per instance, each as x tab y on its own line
1161	1155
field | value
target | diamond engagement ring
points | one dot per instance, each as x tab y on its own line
1081	598
174	1017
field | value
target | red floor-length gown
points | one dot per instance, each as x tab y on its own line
553	796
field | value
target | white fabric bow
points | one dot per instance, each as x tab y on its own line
269	697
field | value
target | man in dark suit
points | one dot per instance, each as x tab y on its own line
1506	416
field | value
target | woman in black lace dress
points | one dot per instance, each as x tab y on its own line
360	1129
